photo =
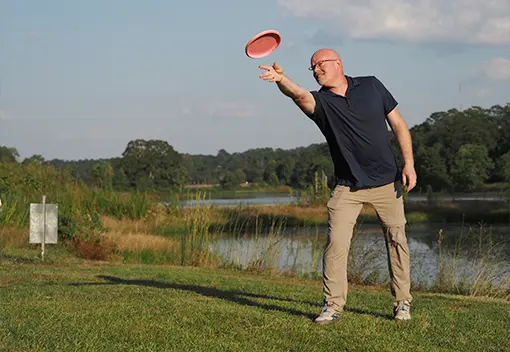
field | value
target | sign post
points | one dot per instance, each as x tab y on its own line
43	224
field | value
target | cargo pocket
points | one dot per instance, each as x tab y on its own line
396	235
335	195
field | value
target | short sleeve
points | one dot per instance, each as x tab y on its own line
318	114
388	100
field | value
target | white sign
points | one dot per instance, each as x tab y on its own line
41	221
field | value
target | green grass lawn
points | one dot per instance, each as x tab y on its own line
103	307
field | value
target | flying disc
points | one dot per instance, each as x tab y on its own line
263	44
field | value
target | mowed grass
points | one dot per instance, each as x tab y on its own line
85	306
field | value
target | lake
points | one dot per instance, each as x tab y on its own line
465	251
266	199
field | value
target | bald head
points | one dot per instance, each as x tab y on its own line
325	53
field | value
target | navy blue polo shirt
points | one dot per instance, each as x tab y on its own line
355	129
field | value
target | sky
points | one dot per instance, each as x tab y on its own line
80	79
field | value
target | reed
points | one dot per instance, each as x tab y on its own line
484	273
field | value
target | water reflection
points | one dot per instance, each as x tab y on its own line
266	199
464	252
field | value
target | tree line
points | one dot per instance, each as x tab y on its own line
454	150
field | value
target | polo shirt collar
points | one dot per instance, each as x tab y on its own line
352	82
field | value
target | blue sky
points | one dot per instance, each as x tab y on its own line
79	80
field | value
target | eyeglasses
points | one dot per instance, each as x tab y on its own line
320	63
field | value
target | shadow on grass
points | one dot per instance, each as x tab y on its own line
19	259
239	297
232	296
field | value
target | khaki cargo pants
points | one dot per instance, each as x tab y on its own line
344	207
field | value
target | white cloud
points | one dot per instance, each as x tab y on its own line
231	109
497	69
465	21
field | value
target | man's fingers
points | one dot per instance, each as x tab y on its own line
266	75
409	181
412	184
270	76
266	67
404	182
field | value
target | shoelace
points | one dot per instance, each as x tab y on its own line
401	305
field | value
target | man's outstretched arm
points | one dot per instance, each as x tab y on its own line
302	97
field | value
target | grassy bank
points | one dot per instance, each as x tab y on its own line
216	192
469	212
82	306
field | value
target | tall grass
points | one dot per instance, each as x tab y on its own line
195	242
472	264
80	207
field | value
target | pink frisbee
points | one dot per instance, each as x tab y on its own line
263	44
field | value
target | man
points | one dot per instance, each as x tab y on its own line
352	113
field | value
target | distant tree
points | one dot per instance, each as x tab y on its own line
270	173
273	180
285	169
504	166
229	180
240	175
472	166
38	159
153	164
300	178
8	155
431	167
120	180
102	175
223	156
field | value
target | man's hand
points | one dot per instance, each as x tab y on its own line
273	73
409	177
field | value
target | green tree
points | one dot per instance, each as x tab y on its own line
102	175
300	178
431	167
120	180
285	168
472	166
153	164
36	158
229	181
504	166
270	173
240	175
8	155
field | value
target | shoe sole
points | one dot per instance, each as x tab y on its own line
327	322
407	319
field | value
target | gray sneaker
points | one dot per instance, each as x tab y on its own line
402	311
328	315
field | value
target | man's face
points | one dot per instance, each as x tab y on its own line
325	68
